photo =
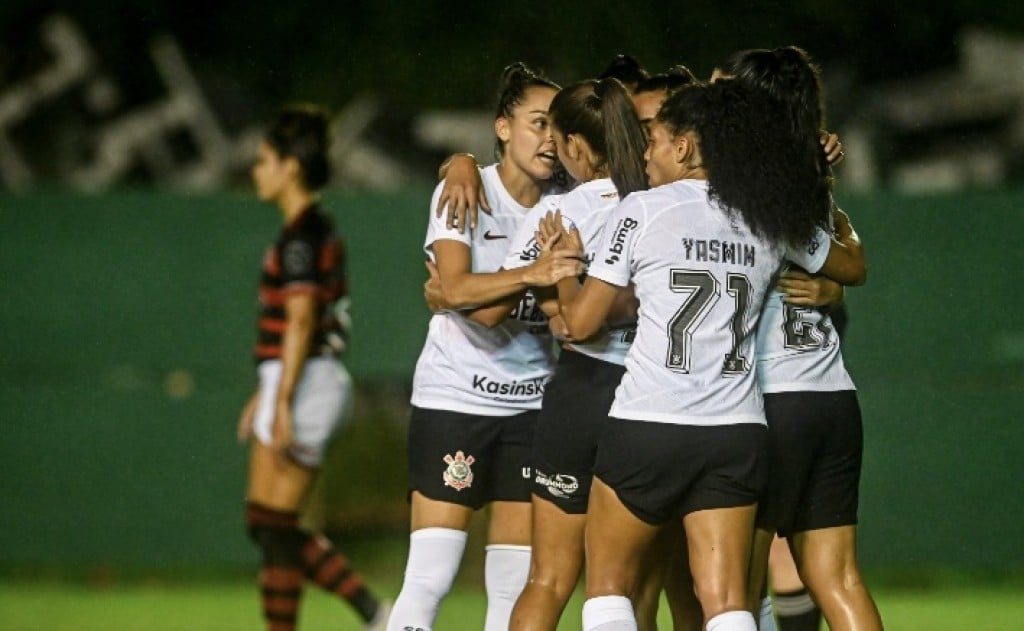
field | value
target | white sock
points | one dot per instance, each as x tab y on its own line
608	613
766	621
506	569
434	558
732	621
793	604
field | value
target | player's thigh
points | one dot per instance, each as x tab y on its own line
275	482
557	541
616	542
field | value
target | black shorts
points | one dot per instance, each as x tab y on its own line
660	470
815	446
575	409
470	459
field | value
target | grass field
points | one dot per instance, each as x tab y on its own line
224	605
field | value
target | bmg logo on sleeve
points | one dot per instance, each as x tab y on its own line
621	233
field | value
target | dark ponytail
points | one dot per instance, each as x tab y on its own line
516	79
603	114
301	132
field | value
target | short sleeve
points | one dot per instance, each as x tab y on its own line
298	259
612	261
437	228
811	256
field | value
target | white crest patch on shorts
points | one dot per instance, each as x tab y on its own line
459	474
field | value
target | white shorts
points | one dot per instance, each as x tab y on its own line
322	405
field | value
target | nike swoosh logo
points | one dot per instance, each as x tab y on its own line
491	237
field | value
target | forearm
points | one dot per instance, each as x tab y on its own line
468	158
469	290
494	314
294	351
578	324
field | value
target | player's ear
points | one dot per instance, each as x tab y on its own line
572	146
291	167
502	129
694	160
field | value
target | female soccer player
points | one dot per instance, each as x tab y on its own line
686	429
304	393
477	389
815	438
600	143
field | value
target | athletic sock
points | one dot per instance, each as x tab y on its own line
506	569
281	574
608	613
766	617
796	611
732	621
329	569
434	558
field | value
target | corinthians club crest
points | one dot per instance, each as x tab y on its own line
459	474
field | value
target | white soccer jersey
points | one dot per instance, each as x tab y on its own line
701	280
466	367
797	347
586	208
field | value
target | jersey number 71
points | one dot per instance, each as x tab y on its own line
702	291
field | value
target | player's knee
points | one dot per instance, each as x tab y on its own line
280	546
276	534
548	580
718	596
428	583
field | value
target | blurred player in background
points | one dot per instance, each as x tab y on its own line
304	393
481	375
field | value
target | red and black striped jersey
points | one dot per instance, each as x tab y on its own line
306	257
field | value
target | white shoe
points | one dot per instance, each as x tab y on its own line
380	620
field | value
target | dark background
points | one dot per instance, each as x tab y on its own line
257	54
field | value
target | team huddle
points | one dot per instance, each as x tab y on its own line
630	361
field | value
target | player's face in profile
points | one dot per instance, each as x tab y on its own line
647	105
530	145
662	166
268	173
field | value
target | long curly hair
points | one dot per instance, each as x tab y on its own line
755	171
789	75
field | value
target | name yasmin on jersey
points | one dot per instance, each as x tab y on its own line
716	251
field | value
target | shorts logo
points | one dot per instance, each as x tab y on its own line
459	474
559	485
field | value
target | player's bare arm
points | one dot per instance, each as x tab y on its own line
845	263
300	309
463	289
